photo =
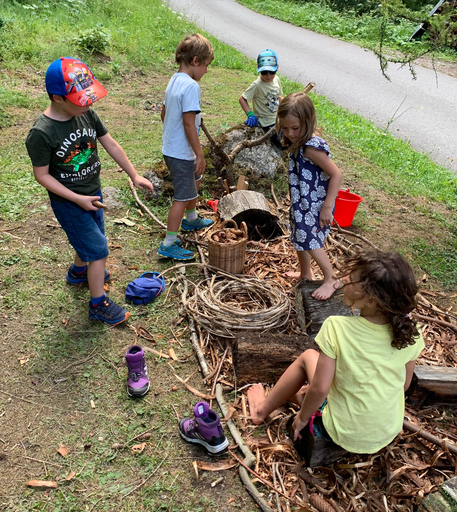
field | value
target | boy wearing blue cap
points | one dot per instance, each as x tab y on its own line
265	93
62	146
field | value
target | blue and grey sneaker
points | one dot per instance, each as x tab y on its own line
198	223
109	312
73	278
176	252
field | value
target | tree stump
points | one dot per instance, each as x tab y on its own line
265	357
311	313
251	207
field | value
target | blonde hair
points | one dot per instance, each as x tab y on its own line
194	45
297	104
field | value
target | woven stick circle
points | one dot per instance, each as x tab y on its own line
226	305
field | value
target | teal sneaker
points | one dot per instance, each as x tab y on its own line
198	223
176	252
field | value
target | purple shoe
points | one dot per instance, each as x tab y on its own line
204	429
138	382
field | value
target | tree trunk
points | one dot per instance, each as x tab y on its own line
265	357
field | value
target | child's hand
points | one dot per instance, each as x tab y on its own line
325	217
298	425
200	165
142	183
86	202
252	120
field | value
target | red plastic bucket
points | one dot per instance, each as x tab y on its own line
345	207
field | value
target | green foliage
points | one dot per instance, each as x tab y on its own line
384	27
95	39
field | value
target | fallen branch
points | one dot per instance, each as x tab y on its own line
407	425
424	318
142	205
258	476
144	481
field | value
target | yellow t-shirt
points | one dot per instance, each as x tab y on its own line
366	402
265	99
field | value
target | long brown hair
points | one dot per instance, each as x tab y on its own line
297	104
390	280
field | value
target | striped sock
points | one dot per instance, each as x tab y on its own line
170	238
191	215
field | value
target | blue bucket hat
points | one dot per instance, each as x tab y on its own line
145	288
267	61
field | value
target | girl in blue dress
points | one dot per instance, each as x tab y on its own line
314	181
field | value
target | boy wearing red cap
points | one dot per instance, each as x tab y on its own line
62	146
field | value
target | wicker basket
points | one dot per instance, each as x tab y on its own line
229	257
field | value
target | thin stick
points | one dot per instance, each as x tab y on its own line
42	461
257	475
145	208
423	318
213	389
356	235
429	437
144	481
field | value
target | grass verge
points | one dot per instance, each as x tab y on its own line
55	361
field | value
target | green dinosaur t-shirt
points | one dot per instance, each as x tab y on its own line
70	150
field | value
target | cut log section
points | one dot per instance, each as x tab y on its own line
265	357
441	381
311	312
251	207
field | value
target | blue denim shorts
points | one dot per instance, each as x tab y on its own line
85	229
183	177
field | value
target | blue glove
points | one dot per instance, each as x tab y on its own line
252	120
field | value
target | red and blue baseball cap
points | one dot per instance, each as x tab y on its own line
267	61
71	78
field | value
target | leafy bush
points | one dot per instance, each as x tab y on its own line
95	39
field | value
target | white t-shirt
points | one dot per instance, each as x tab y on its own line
182	95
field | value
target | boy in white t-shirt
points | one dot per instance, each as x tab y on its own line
181	147
265	93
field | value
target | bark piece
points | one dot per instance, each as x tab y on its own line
265	357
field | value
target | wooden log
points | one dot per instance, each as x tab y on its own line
311	313
315	451
441	381
260	215
265	357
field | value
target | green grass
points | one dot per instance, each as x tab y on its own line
42	317
348	25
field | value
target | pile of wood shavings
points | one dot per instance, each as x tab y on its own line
395	479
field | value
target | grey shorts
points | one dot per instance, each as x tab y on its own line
183	177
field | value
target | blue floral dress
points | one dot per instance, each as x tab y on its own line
308	185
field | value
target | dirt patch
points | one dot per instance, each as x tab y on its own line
441	66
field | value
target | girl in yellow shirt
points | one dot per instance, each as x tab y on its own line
365	363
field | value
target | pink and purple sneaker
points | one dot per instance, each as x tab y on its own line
137	380
205	429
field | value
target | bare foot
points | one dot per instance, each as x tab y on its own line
256	399
308	276
327	289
